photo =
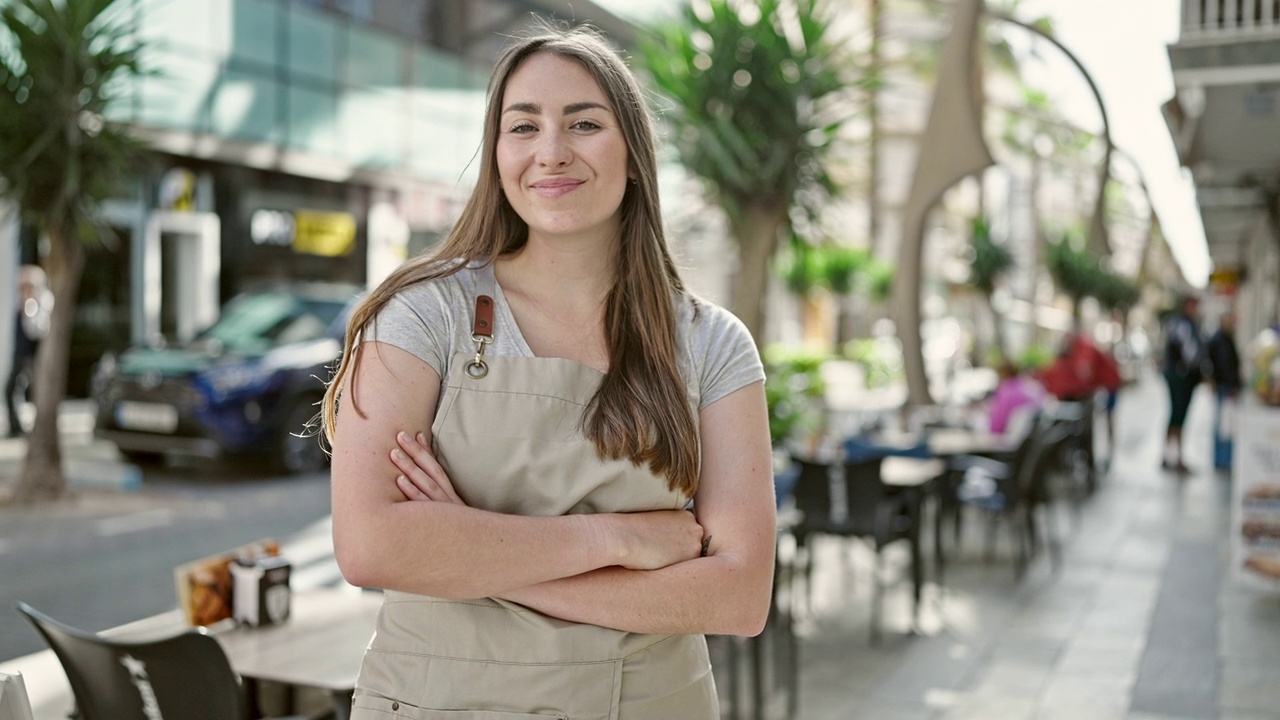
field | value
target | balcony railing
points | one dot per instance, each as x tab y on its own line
1216	18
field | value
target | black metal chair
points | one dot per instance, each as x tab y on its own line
1016	490
181	677
866	511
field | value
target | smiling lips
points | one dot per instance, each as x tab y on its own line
555	187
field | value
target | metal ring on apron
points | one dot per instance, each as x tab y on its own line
478	368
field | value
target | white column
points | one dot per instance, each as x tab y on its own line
1192	18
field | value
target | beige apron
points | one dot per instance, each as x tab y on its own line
511	443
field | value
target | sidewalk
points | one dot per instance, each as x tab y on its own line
1141	621
89	463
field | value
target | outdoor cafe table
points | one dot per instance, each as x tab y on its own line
946	442
320	646
914	477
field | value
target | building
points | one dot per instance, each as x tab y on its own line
1225	123
295	140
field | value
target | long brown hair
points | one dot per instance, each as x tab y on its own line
641	410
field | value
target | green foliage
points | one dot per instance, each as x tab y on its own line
990	261
758	92
794	391
1076	271
806	267
61	66
1117	294
1034	357
879	275
881	359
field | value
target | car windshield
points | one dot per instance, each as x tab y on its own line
259	321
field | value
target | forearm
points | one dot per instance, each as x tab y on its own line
718	595
454	551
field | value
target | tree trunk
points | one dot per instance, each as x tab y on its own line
756	231
42	477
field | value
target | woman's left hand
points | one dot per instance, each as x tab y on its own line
421	476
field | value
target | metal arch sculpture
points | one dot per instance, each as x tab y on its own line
1099	240
952	148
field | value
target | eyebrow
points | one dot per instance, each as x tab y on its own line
570	109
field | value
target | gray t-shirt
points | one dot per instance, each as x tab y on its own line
432	320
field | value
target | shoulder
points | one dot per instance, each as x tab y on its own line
439	296
702	324
719	353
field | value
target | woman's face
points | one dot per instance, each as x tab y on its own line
561	155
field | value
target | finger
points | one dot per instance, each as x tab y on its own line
421	453
418	463
408	489
417	476
442	477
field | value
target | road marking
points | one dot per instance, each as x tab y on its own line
135	522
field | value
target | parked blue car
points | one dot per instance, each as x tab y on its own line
249	384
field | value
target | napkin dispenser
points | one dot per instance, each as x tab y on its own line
261	594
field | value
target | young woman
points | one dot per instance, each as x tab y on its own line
521	421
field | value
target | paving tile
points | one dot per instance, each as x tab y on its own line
992	708
1013	680
1177	683
1076	691
1250	686
1081	712
1229	714
1029	650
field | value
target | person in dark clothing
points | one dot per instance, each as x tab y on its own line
1184	354
1227	382
30	323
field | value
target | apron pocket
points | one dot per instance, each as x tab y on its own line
372	707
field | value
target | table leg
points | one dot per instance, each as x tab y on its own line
757	679
251	694
917	569
341	704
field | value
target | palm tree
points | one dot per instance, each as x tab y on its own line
61	66
991	260
759	92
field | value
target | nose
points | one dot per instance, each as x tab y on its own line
553	149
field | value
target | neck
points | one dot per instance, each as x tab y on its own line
570	270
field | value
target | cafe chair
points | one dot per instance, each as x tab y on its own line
853	504
179	677
1013	492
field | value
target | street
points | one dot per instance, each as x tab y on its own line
101	558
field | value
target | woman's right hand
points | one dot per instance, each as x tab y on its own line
657	538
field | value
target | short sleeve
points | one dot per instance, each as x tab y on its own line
724	354
418	321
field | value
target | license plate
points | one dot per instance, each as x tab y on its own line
149	417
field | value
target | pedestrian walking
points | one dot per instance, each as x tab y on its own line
522	420
1224	356
1184	359
30	325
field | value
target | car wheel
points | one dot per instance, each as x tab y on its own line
298	447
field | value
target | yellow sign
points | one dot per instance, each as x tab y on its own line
331	234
